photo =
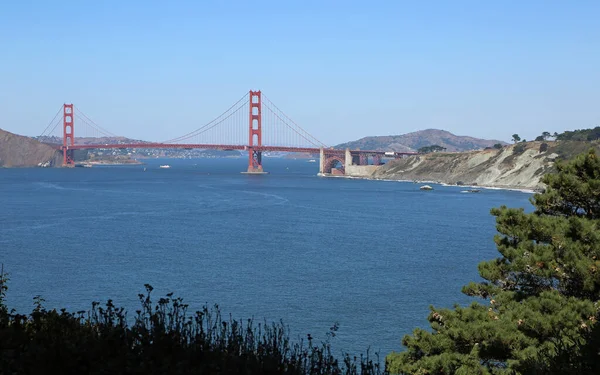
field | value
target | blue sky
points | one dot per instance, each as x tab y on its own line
342	69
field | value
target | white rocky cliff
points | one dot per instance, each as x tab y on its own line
516	166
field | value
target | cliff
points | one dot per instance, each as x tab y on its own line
20	151
516	166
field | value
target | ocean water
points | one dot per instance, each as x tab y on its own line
371	256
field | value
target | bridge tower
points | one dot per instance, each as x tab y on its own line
255	134
68	135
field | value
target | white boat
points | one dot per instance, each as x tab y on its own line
312	161
165	166
426	187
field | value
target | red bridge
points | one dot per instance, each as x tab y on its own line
253	124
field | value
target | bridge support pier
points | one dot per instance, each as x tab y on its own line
321	161
376	159
363	159
347	159
254	162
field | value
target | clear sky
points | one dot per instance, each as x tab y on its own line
341	69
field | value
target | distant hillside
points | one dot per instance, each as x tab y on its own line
89	140
415	140
20	151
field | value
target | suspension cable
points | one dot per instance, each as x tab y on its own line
296	131
52	122
204	129
292	121
197	131
98	127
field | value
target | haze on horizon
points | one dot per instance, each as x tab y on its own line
343	70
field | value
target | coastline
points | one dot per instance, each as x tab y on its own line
487	187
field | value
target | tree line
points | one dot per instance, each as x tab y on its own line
568	135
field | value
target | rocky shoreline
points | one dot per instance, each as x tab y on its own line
511	167
515	167
418	182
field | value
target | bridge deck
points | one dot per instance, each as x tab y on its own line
312	150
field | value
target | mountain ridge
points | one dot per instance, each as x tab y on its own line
414	140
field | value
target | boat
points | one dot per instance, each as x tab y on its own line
426	187
312	161
165	166
473	191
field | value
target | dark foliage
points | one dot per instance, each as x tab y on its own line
428	149
543	137
519	148
3	288
580	135
542	294
163	339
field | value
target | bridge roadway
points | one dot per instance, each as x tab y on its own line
331	161
312	150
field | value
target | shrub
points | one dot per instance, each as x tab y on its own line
163	339
519	148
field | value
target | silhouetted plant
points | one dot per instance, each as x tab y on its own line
162	339
3	289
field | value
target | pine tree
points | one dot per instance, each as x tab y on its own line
542	294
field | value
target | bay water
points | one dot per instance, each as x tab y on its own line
371	256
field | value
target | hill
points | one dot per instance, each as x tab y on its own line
89	140
20	151
415	140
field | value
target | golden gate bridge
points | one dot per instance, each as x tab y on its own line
253	124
